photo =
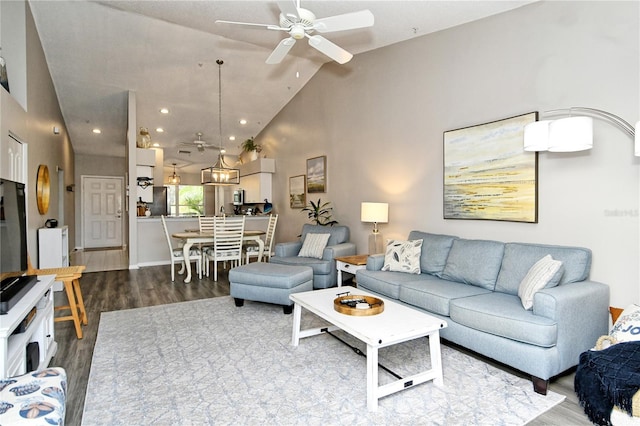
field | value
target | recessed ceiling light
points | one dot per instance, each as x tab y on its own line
243	121
232	138
97	131
164	110
159	130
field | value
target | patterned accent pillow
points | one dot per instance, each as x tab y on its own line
403	256
313	245
538	276
627	326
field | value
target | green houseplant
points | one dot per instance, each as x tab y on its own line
252	149
320	213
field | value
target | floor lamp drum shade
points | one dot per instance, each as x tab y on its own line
375	213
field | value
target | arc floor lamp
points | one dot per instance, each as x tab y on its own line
574	132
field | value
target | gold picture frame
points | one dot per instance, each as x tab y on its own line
297	192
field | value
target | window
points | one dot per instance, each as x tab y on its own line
186	200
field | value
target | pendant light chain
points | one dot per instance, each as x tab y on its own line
220	173
220	62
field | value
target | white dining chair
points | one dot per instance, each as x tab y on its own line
176	255
227	243
251	249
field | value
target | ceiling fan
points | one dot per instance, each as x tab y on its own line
200	144
300	23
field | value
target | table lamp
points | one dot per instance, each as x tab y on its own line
376	213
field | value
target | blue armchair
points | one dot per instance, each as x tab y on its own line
324	270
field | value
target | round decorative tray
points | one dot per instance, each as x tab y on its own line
356	305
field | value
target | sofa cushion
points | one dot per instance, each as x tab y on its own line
540	274
319	266
313	245
475	262
503	315
338	234
387	283
434	294
520	257
435	249
402	256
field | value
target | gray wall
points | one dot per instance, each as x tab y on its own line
380	120
34	125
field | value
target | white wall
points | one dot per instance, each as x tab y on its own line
380	120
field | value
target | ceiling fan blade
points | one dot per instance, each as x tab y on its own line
330	49
281	51
289	8
347	21
249	24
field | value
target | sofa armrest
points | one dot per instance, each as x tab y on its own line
581	310
290	249
375	262
343	249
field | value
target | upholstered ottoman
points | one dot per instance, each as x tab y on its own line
36	398
269	283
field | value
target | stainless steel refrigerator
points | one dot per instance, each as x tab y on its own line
160	200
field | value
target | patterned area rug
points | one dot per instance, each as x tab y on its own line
209	362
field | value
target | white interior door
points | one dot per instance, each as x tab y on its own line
102	211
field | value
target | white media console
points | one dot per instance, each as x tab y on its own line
13	347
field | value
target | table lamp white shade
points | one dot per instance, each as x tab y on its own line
375	213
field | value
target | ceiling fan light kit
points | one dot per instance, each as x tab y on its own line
301	23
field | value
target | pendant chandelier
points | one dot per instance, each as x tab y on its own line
174	179
220	173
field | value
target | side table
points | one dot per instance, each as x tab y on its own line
350	264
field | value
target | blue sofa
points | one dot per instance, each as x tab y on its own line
324	270
473	285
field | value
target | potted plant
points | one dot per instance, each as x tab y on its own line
251	148
320	213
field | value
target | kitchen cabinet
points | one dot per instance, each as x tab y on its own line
256	187
13	156
146	157
256	180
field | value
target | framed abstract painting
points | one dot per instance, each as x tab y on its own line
487	173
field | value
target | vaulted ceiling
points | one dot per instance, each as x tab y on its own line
166	52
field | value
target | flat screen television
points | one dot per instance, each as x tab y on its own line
13	244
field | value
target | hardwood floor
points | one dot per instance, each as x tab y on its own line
127	289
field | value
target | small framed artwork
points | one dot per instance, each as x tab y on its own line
297	192
488	175
317	174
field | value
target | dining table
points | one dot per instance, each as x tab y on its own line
196	237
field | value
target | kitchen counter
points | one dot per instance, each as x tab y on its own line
152	243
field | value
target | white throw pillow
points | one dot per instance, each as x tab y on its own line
314	245
538	276
627	326
403	256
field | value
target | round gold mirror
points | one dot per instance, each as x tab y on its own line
43	189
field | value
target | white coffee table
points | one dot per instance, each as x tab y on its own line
396	324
